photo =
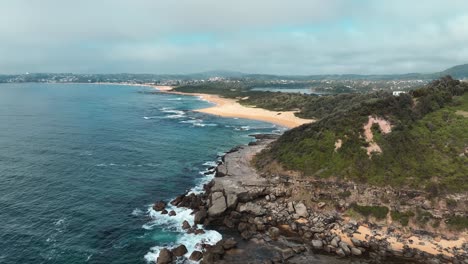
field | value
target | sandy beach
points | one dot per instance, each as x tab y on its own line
231	108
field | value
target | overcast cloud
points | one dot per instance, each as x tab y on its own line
261	36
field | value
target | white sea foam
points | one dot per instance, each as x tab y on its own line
137	212
174	224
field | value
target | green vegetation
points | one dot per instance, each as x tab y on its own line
379	212
423	217
458	222
402	217
426	148
344	194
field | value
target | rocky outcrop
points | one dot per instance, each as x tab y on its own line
165	257
159	206
217	204
274	213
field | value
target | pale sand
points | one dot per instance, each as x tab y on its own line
428	245
231	108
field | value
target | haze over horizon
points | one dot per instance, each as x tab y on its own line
297	37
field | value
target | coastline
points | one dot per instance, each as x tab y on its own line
262	218
226	107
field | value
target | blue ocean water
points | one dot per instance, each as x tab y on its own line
80	165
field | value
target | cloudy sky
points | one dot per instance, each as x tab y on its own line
255	36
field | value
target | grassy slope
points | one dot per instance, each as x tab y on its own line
423	150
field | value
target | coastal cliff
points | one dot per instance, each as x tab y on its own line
285	218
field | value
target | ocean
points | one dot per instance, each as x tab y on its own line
81	165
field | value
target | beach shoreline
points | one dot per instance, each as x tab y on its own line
226	107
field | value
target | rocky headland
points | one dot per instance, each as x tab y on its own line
287	218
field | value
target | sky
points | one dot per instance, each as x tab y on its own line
253	36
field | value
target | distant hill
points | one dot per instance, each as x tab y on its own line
458	72
418	139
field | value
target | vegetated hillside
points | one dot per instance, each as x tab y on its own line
426	148
459	71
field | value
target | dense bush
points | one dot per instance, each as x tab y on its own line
425	148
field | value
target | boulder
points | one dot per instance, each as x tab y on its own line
246	235
287	253
340	253
229	243
196	256
185	225
290	208
317	244
274	232
301	210
356	251
199	217
165	256
164	211
218	204
252	208
179	251
345	247
231	200
221	170
172	213
159	206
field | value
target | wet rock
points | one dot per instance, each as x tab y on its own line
196	255
185	225
229	243
200	217
301	210
177	200
179	251
164	211
172	213
165	256
199	231
218	204
159	206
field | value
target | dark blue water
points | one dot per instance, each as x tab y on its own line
80	165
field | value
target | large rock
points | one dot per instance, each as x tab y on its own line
229	243
274	233
356	251
301	210
196	255
185	225
290	208
252	208
218	204
221	170
159	206
179	251
199	217
165	256
317	244
231	200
